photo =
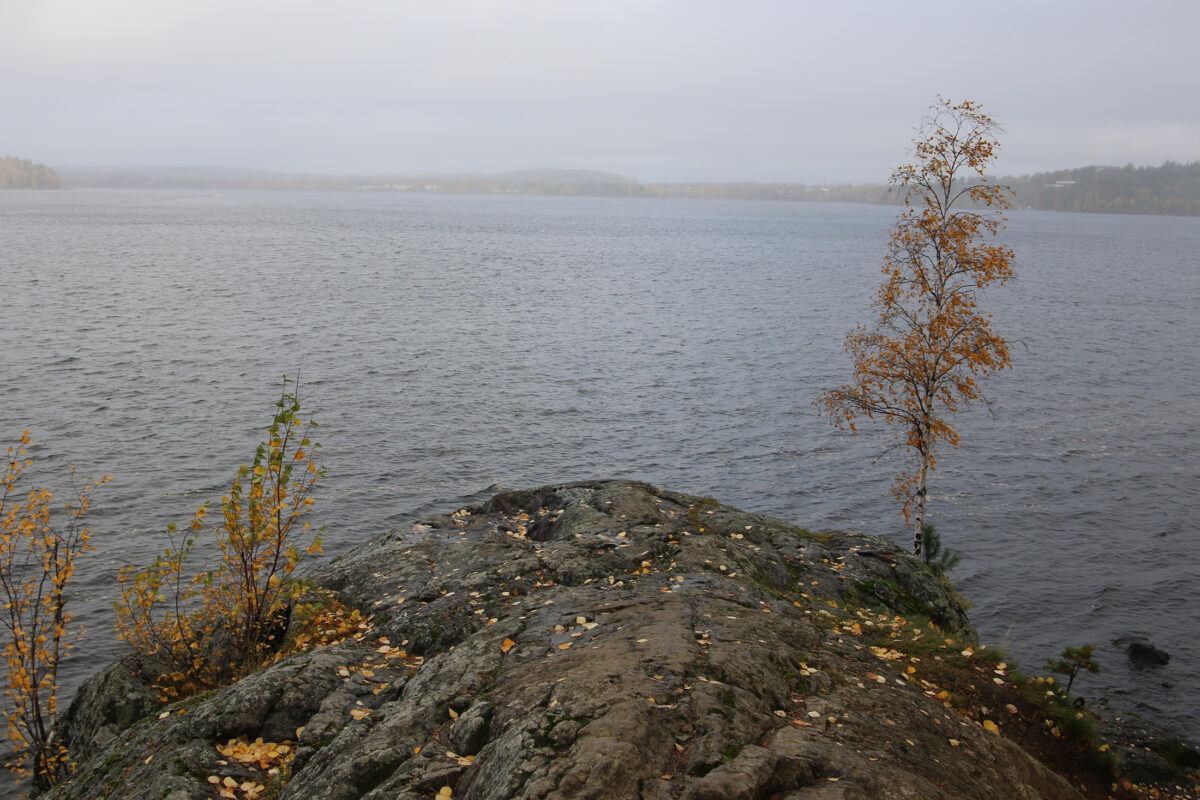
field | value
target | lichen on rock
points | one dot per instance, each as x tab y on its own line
587	640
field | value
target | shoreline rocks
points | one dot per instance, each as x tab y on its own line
597	640
1143	653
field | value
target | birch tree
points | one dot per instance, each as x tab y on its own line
921	360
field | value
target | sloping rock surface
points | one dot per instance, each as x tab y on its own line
588	640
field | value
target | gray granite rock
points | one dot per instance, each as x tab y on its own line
602	640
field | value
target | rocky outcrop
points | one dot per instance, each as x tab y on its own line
588	640
1142	652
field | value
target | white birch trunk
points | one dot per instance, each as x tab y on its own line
919	513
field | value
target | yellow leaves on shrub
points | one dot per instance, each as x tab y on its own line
244	597
37	561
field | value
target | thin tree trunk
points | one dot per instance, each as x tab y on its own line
919	515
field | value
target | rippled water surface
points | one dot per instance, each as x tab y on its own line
449	343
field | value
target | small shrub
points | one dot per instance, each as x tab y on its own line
1074	660
206	629
37	560
939	561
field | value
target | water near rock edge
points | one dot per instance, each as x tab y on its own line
449	343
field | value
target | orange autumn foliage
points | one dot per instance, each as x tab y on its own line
204	629
920	361
37	561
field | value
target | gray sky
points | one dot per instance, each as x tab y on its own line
690	90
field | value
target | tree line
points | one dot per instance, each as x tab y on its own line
1173	188
20	173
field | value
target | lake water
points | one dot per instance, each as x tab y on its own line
450	343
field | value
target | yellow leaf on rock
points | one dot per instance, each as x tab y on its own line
990	726
507	645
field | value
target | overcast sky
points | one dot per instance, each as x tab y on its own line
799	91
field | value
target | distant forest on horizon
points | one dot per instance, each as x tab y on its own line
1170	189
19	173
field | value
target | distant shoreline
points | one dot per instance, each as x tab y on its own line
1172	189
